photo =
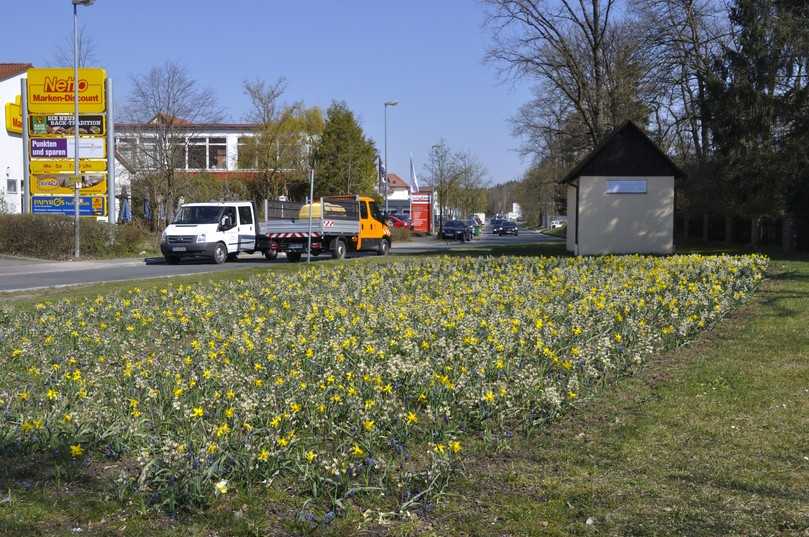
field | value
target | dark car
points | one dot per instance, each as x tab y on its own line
455	229
496	224
508	228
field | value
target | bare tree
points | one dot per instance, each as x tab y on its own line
165	109
589	70
469	192
442	173
285	134
562	47
63	55
683	37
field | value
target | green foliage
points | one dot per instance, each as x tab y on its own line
281	151
51	237
200	187
748	111
345	160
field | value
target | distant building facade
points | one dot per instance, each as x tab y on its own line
11	156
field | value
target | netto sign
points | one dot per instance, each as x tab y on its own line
51	90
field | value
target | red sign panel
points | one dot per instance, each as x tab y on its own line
421	212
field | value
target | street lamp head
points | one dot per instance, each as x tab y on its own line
391	103
83	2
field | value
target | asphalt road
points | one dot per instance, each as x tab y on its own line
17	274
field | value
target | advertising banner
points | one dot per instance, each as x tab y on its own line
41	167
62	125
421	212
14	117
50	91
88	205
62	183
65	148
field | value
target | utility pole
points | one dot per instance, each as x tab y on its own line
387	104
76	168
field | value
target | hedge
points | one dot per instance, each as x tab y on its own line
51	237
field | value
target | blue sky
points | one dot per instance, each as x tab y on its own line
428	55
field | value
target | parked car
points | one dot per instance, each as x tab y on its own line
455	229
557	223
508	228
496	224
400	221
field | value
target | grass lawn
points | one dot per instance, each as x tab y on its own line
709	439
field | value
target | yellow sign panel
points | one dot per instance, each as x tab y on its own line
50	91
64	184
14	117
66	166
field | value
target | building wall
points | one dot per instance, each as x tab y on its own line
10	148
399	194
624	223
571	218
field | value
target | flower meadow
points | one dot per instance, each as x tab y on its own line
339	380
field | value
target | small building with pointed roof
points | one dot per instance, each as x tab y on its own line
620	197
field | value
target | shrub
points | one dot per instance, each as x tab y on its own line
51	237
399	234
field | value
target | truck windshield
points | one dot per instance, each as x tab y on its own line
200	214
375	212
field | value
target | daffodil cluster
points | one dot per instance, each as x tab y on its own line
333	376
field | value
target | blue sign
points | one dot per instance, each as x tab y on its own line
88	205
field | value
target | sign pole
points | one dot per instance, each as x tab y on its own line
311	203
111	200
76	168
26	185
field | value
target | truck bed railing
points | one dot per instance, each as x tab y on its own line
336	208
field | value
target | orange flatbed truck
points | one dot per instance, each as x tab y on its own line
339	225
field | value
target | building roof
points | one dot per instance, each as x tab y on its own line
9	70
626	151
394	181
184	124
193	127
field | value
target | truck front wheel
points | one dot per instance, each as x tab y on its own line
220	253
338	249
270	254
384	247
293	257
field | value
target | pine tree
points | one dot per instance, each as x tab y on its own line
345	160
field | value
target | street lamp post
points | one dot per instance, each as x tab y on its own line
436	148
76	169
387	104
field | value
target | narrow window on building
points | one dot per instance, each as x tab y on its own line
247	154
217	153
11	186
196	154
626	186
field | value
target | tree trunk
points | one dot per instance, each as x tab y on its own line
728	229
787	243
686	225
754	231
706	224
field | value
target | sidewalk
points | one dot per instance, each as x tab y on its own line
10	265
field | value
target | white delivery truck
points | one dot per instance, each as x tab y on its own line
218	231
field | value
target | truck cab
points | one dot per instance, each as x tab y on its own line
218	231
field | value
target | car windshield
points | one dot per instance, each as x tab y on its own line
197	214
